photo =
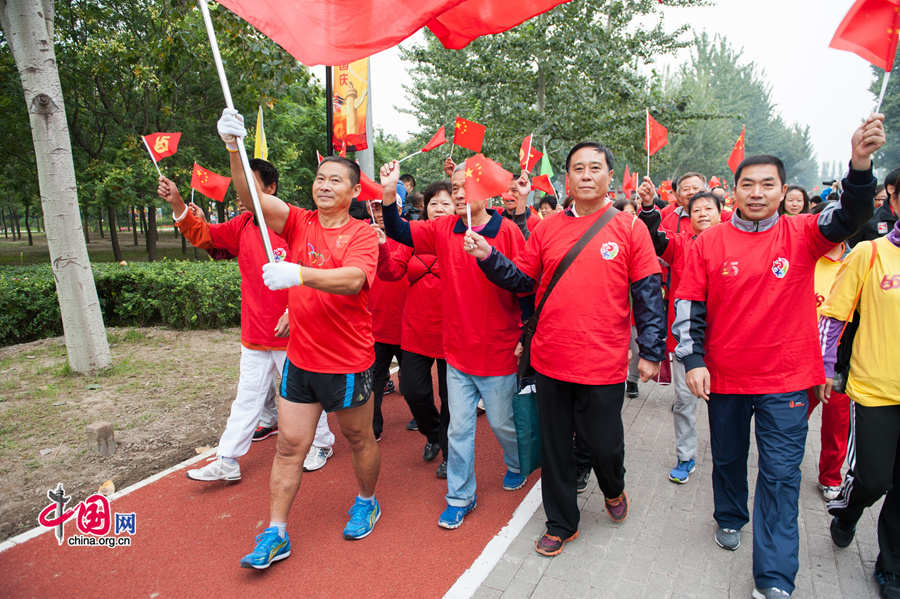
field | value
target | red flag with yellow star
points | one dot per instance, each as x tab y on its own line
737	153
485	178
870	30
468	134
533	155
209	183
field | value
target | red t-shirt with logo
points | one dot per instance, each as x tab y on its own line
482	323
585	327
761	334
672	222
386	301
260	306
330	333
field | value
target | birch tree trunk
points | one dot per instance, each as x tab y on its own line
28	28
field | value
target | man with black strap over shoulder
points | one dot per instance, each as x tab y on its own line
580	346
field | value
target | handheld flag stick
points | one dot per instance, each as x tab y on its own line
647	137
469	215
153	158
884	84
371	212
451	150
410	156
245	162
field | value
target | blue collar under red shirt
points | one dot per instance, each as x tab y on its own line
491	229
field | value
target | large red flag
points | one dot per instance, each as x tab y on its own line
656	136
533	156
870	30
542	183
438	139
485	178
209	183
162	144
468	134
737	153
340	31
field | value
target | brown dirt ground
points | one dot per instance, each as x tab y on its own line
167	393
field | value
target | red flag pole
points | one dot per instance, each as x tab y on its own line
884	84
153	158
245	162
410	156
647	141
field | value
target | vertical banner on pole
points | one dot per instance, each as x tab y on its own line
329	114
349	99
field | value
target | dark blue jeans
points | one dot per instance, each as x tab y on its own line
781	427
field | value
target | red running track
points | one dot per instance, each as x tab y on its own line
190	536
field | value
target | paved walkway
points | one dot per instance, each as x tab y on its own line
666	548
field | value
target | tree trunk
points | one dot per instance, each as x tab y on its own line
143	221
28	29
134	225
3	222
100	221
18	225
85	229
113	221
220	211
152	233
183	246
28	224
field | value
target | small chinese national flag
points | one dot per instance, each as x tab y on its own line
485	178
629	183
542	182
468	134
370	189
438	139
656	137
209	183
162	144
533	156
319	157
737	153
870	30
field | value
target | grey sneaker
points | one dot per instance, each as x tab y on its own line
728	538
829	493
217	470
316	457
769	593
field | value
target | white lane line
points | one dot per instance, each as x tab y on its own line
466	585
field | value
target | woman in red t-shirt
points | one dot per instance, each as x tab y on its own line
421	338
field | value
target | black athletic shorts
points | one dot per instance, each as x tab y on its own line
333	391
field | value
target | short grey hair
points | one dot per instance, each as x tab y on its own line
459	167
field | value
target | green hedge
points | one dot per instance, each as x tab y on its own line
178	294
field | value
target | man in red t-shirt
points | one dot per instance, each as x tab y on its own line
329	350
515	205
675	218
264	327
481	327
745	322
585	322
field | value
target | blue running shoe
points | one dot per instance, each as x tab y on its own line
363	516
453	516
270	547
513	481
682	471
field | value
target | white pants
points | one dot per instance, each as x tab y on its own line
255	403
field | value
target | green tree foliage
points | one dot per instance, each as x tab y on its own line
574	73
731	93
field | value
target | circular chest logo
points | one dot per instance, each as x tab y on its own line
609	250
780	267
280	254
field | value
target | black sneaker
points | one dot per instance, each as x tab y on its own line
841	532
264	432
888	584
631	390
412	425
442	470
389	387
431	451
581	482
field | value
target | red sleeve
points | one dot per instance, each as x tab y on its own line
393	260
422	232
196	230
674	248
362	252
528	258
643	261
694	280
532	222
818	243
227	236
293	224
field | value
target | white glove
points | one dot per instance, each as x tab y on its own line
231	127
281	275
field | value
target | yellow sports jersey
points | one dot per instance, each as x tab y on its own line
874	377
826	271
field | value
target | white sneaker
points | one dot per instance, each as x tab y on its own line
829	493
218	470
316	457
